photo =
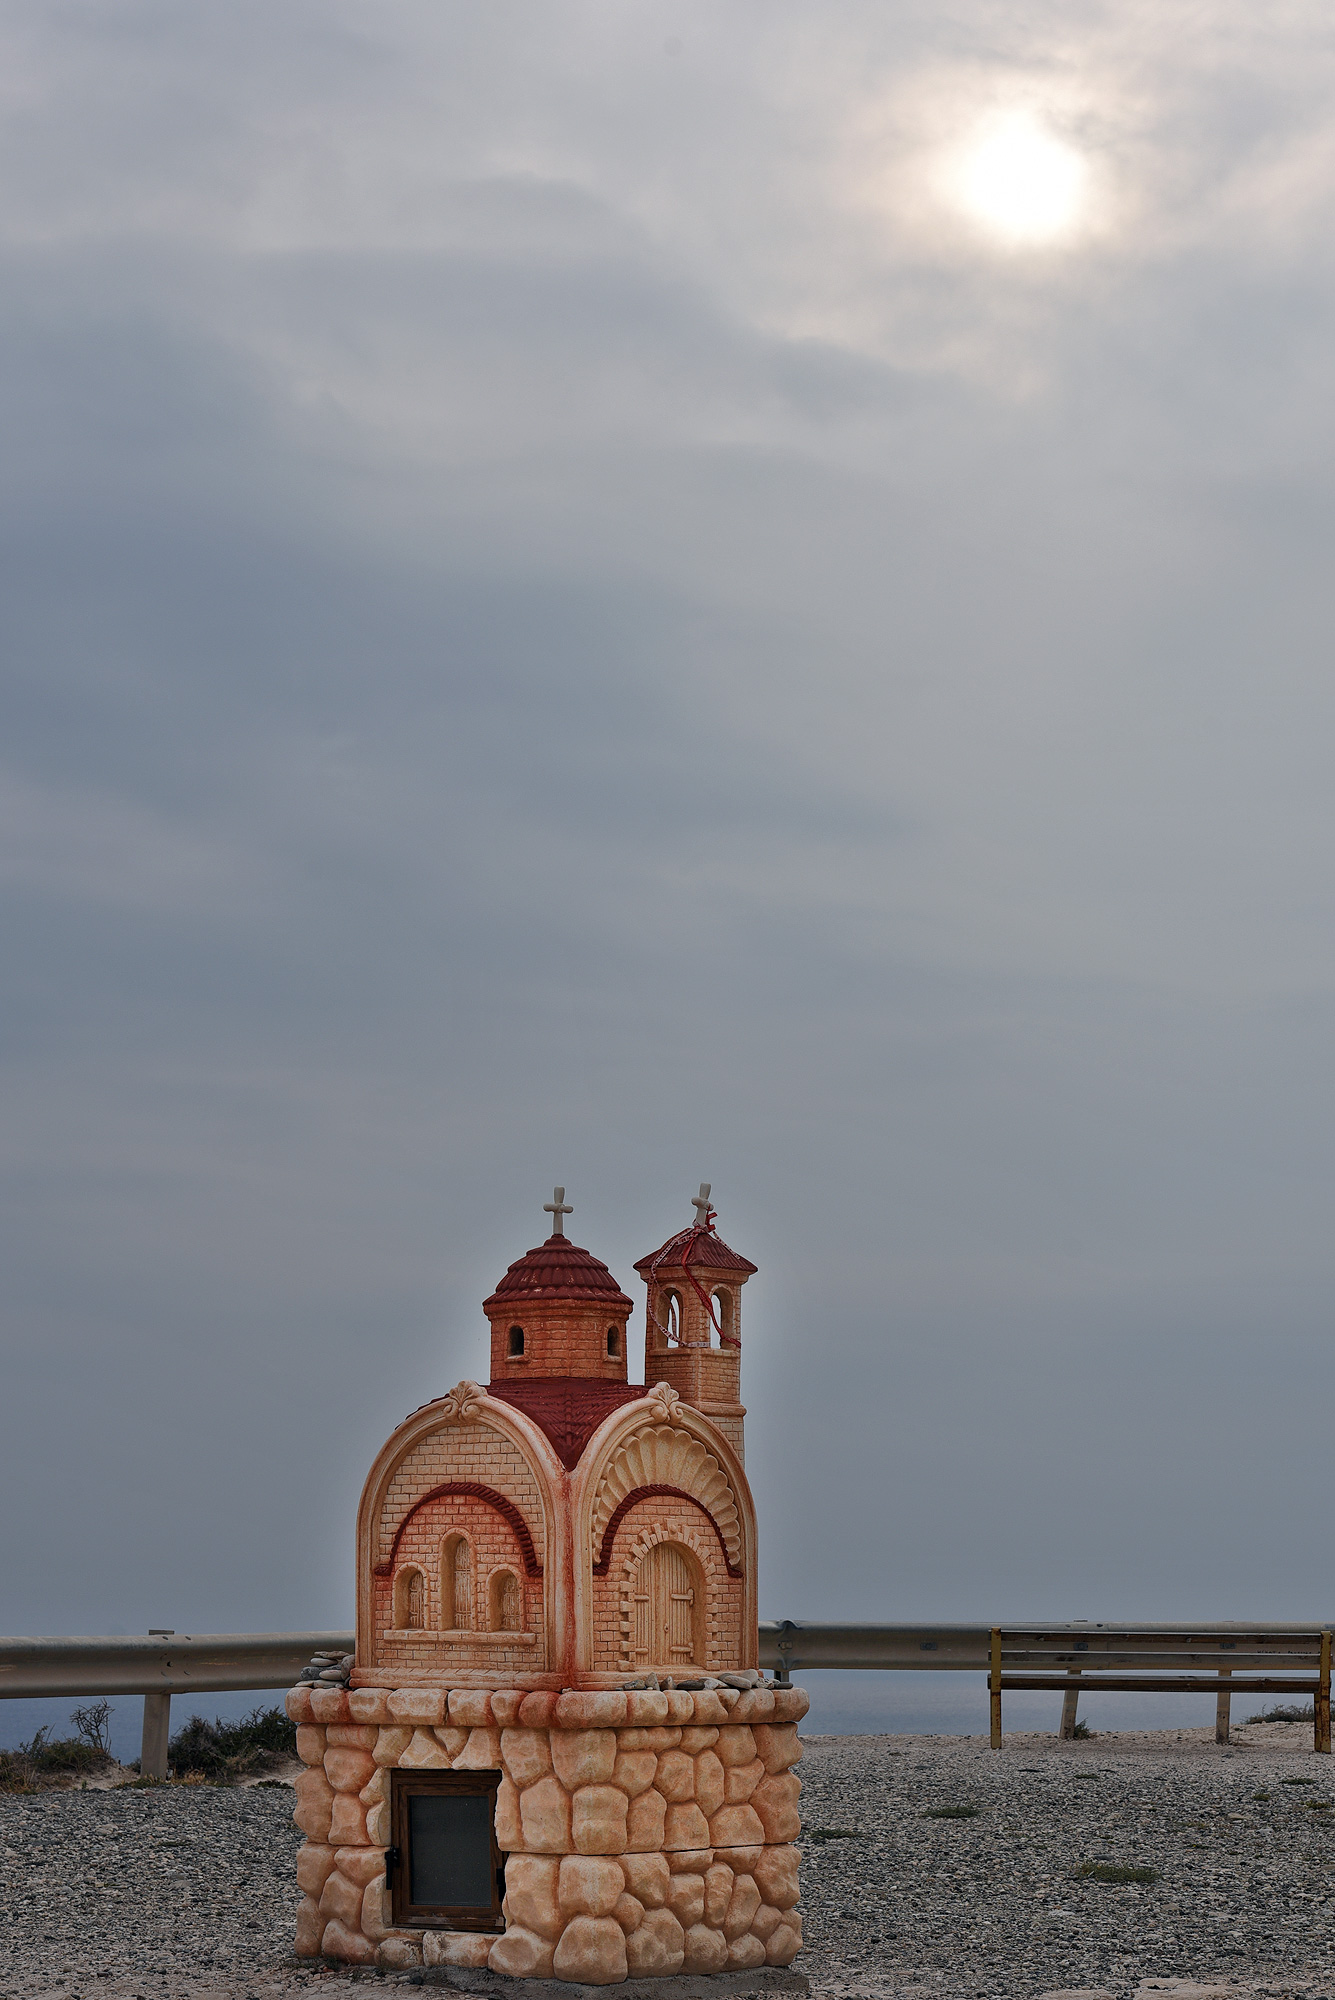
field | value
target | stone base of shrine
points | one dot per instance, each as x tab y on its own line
646	1833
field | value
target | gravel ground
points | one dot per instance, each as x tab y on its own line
188	1890
138	1891
995	1904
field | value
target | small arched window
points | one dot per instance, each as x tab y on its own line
672	1317
515	1342
456	1584
613	1343
410	1600
722	1318
505	1602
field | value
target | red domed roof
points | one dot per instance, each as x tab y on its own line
702	1247
558	1269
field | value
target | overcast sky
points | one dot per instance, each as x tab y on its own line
628	594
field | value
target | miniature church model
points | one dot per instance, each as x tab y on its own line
554	1755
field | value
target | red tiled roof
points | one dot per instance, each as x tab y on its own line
702	1248
558	1269
569	1408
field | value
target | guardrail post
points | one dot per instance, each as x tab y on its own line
157	1729
1069	1700
994	1687
1321	1706
1223	1706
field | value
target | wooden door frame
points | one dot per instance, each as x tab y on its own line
405	1785
652	1557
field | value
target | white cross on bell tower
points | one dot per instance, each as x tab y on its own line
558	1208
700	1203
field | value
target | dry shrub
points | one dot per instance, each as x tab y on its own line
220	1752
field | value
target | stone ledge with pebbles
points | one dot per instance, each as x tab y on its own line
329	1669
647	1832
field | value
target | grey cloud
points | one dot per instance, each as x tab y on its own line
545	640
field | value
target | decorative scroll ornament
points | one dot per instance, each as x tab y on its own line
665	1404
661	1456
462	1405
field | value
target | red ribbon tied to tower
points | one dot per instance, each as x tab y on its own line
684	1244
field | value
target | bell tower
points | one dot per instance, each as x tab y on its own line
693	1333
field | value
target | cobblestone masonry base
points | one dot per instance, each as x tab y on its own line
646	1834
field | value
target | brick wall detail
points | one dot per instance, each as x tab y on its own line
660	1518
669	1456
560	1339
457	1452
480	1467
493	1549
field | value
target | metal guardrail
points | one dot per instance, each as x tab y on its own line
162	1664
213	1662
788	1647
157	1667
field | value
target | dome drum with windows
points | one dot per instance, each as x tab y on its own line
554	1572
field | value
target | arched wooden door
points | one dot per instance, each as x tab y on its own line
668	1600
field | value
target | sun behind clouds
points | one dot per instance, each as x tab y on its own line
1020	182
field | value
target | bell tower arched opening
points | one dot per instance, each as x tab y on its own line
693	1338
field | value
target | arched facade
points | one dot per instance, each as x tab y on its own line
465	1489
660	1472
504	1533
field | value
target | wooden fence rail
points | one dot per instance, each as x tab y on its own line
1219	1659
1222	1661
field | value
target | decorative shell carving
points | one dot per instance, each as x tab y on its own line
461	1405
661	1455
